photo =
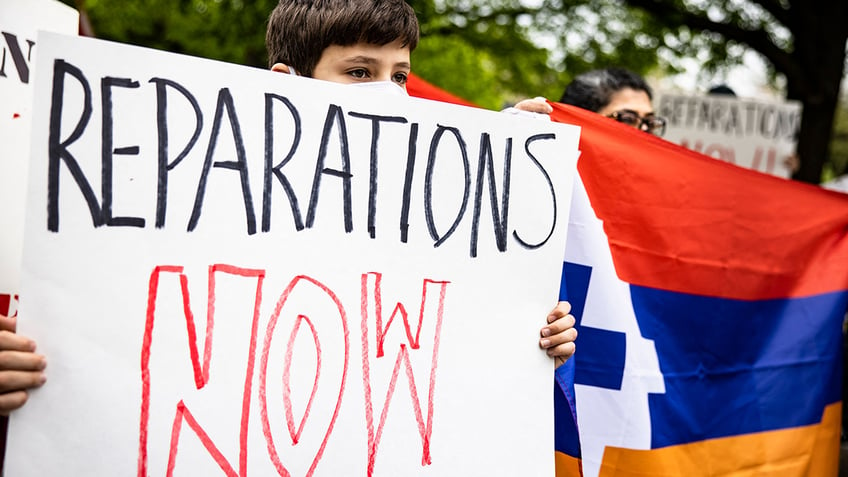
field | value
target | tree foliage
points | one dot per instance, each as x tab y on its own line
510	50
838	163
482	51
227	30
493	52
802	42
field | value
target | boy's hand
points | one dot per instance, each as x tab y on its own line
536	108
534	105
21	368
559	334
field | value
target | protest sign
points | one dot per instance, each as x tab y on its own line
233	270
755	134
20	20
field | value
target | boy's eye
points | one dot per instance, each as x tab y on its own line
358	73
399	78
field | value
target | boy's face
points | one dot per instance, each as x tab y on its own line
364	62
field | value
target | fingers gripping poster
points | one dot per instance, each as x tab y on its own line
234	271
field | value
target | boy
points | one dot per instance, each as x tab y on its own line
365	42
369	43
350	42
353	42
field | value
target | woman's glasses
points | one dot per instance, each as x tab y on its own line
652	124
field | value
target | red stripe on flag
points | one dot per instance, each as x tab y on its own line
681	221
419	88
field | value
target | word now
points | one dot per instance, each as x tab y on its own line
728	154
370	286
334	144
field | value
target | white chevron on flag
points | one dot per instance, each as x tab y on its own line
608	417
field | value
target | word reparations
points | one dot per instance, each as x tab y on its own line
331	174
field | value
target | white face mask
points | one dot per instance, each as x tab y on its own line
384	87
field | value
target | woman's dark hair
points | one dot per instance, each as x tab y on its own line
594	90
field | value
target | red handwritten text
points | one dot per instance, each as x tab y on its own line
303	325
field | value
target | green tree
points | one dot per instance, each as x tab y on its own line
227	30
480	51
803	42
839	144
483	51
489	51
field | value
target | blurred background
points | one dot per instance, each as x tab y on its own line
495	52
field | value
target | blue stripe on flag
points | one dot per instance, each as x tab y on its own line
566	437
736	367
603	364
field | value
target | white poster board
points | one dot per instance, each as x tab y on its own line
236	271
755	134
20	21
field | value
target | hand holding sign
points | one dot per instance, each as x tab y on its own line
21	369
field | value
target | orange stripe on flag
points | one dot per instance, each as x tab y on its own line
811	451
566	465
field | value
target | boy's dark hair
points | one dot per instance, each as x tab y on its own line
594	90
300	30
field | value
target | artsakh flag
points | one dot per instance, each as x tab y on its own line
710	302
